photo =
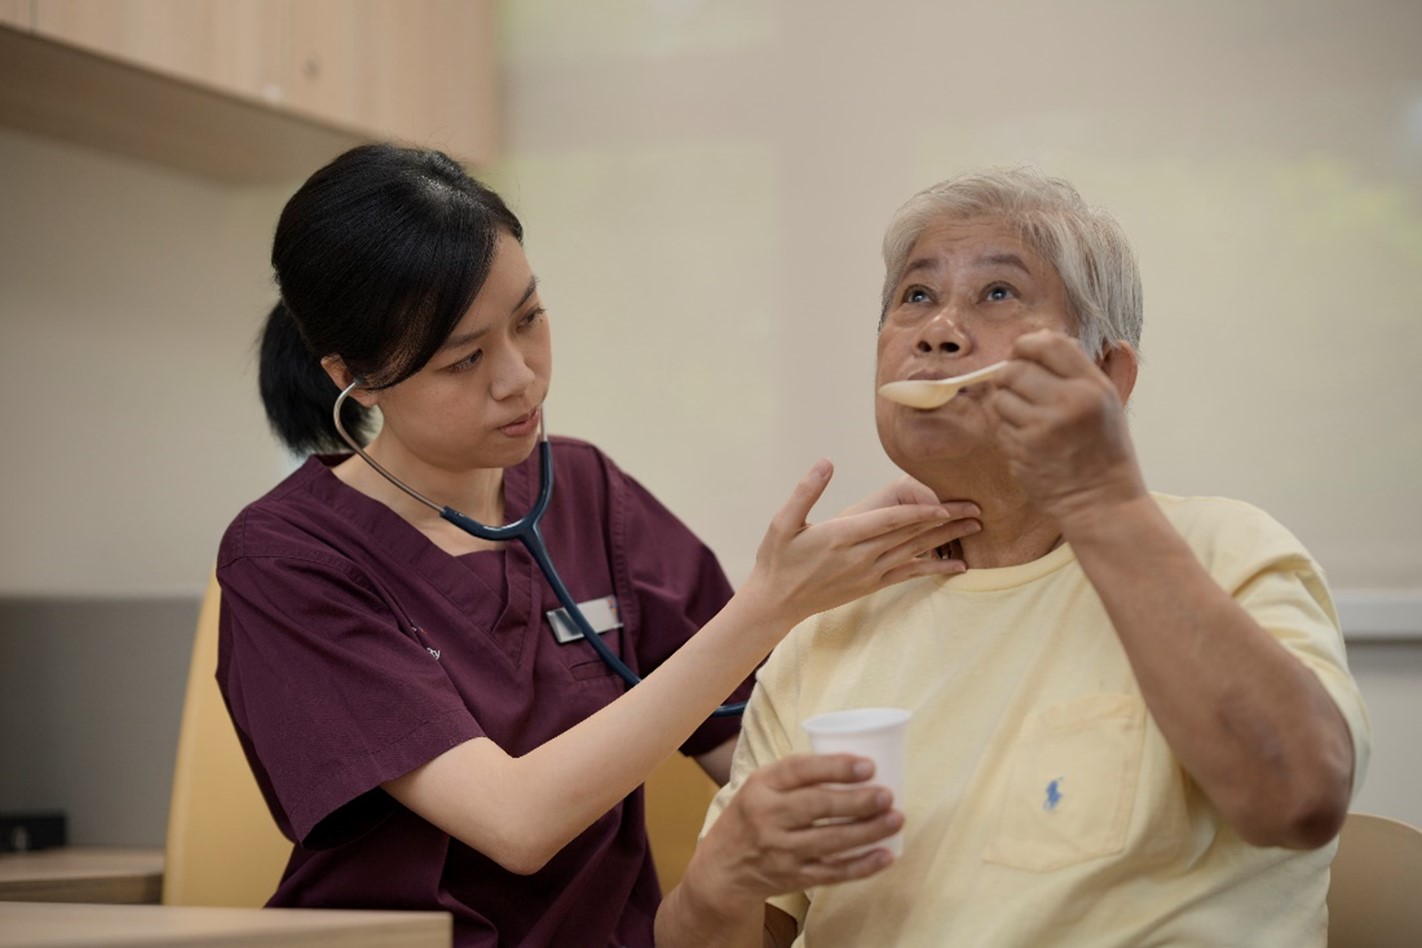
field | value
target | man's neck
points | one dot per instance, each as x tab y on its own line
1014	531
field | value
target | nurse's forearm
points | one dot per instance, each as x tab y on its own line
521	811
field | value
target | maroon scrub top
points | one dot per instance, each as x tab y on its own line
353	650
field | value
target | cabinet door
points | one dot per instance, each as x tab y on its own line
421	71
15	13
236	47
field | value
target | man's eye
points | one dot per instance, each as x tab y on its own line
916	294
999	292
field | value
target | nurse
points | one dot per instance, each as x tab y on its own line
417	729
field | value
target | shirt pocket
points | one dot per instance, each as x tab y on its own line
1071	784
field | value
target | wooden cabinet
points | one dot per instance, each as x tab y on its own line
331	71
235	47
422	72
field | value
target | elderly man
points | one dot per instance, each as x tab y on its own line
1133	721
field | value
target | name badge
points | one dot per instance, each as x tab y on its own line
601	614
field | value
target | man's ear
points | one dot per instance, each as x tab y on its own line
336	368
1120	363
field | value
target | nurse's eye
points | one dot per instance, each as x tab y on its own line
532	317
466	363
1000	291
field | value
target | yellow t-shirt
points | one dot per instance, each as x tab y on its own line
1044	806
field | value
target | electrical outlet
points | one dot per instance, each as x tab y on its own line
25	832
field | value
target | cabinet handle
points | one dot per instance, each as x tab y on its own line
311	66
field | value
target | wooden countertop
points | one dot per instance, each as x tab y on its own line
50	925
82	875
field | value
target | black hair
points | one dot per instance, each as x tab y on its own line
377	257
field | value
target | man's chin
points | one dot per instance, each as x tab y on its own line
930	452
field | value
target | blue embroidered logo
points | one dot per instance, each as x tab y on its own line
1054	795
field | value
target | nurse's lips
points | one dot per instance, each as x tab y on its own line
522	426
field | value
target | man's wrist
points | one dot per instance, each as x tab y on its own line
1108	522
709	894
1088	517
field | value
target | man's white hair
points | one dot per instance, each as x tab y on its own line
1085	244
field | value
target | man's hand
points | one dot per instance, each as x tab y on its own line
786	830
1061	423
774	837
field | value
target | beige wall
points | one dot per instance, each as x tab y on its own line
704	186
129	300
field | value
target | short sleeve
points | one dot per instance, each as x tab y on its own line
764	740
1290	600
676	586
1269	572
331	695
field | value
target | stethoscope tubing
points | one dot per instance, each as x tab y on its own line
527	531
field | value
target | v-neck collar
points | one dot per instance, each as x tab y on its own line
444	571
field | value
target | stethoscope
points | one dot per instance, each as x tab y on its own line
526	530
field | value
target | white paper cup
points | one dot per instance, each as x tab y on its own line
876	733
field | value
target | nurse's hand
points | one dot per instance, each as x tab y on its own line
772	839
904	490
803	568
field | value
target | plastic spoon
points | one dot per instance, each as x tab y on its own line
930	393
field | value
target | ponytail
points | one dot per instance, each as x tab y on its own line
298	394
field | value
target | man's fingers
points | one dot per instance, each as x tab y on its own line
805	770
829	872
836	841
1057	352
1012	407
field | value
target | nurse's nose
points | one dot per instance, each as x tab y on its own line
512	375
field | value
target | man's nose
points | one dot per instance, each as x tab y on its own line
944	333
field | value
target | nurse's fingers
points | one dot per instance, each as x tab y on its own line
887	527
795	514
928	544
904	490
929	556
893	547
